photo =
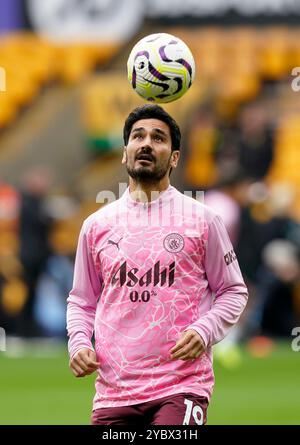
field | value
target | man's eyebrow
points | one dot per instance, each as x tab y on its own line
138	129
156	130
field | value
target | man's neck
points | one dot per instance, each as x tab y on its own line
147	192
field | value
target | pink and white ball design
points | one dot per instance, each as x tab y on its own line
161	68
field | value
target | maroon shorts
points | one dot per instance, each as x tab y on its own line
177	409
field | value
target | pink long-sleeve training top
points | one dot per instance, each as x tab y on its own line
144	273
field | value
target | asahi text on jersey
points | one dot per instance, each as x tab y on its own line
156	275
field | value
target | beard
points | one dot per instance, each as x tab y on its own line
148	174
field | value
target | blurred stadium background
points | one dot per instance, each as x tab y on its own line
64	96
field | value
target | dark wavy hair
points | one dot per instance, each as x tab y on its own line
151	111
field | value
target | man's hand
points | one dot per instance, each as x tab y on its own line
188	347
84	362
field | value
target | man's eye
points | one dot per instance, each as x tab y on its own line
158	138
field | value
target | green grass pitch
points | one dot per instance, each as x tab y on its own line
37	389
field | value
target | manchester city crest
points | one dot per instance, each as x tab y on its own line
174	242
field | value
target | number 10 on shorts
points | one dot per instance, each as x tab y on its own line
192	410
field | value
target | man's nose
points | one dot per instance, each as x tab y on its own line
146	148
147	142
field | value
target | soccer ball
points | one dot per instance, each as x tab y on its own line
161	68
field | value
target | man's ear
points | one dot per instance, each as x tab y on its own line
124	158
175	158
